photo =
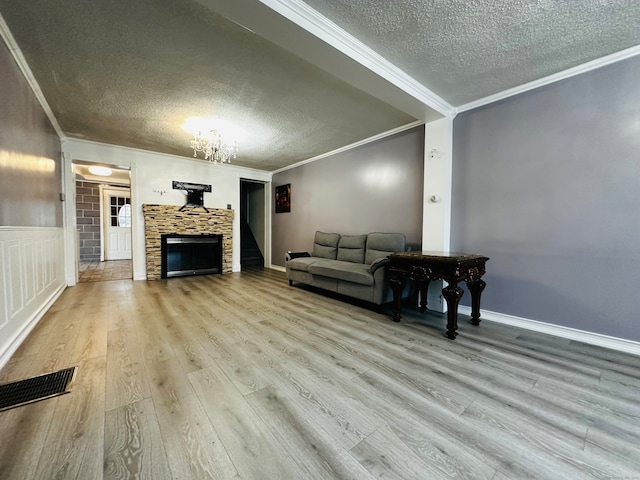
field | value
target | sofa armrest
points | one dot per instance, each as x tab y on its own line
291	255
377	263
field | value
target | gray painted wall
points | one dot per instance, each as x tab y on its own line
30	165
547	184
373	188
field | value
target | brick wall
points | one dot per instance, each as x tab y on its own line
88	218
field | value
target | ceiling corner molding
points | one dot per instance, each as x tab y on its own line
374	138
556	77
321	27
11	43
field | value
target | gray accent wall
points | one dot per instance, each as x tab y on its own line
30	164
547	184
372	188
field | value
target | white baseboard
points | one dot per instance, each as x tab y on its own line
278	268
614	343
5	356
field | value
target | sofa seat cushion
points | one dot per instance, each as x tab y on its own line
302	263
347	271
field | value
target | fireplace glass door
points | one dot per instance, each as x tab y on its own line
184	255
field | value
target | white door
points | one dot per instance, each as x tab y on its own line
117	232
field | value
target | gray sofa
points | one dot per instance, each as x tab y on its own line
352	265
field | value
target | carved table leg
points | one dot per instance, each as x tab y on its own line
452	294
397	281
476	287
422	277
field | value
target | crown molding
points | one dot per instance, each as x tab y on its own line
312	21
13	47
68	143
374	138
556	77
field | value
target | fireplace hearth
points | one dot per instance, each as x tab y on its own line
185	255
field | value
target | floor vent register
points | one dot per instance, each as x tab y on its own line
16	394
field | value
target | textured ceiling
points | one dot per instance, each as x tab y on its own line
131	72
464	50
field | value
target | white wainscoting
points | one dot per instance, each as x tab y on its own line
31	279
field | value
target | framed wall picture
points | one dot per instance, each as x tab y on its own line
283	198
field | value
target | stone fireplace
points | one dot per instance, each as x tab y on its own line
168	219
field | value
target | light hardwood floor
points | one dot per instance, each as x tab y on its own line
240	376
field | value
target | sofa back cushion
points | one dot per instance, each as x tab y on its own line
351	248
325	245
383	244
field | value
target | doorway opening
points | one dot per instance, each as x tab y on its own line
252	223
103	217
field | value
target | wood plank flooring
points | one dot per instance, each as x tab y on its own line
240	376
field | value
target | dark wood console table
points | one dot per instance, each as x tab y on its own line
422	267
